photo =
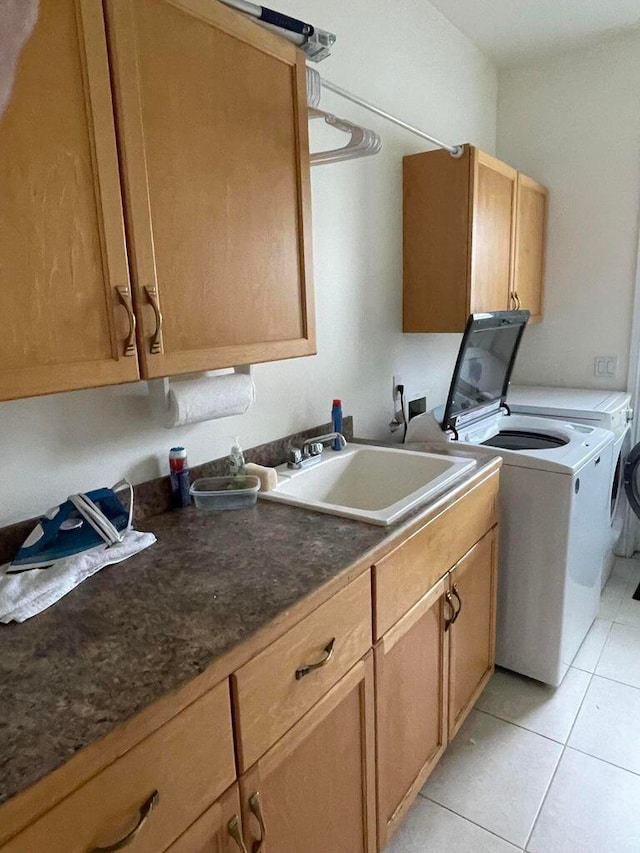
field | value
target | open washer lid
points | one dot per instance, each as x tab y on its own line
483	368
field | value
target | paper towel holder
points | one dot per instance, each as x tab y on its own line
158	389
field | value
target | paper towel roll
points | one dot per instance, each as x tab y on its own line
191	401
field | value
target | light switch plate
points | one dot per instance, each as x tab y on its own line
605	366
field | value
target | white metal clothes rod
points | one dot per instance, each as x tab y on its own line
454	150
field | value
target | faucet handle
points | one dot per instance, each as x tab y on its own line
294	456
315	448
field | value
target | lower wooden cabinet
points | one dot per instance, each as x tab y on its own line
314	790
411	705
472	634
430	669
277	687
219	830
150	795
329	741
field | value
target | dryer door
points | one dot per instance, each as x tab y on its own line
632	479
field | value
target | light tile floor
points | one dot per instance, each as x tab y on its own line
541	770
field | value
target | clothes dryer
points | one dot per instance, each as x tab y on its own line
554	494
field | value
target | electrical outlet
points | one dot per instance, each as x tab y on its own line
397	380
416	393
605	366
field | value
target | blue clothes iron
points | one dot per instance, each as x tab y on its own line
81	523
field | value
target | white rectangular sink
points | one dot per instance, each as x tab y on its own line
379	485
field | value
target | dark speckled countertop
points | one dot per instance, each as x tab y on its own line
137	630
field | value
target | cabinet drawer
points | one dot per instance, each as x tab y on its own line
274	690
219	830
189	762
406	574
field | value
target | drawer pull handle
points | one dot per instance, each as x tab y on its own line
457	595
234	831
256	808
449	620
145	810
307	668
125	298
156	340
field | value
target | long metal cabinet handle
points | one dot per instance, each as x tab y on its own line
457	595
125	298
156	340
145	810
309	667
450	619
234	831
256	808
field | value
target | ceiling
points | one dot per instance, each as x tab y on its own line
514	31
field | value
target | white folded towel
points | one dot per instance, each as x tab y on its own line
30	592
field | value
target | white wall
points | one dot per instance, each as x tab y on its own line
574	124
418	66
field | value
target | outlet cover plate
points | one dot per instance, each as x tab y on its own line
605	366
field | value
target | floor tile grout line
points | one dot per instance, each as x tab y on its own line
555	770
616	680
604	645
604	760
566	746
519	726
536	734
468	820
544	797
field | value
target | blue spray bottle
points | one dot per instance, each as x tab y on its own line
336	420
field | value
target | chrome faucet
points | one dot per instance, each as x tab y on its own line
311	450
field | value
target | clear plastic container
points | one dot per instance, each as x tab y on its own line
223	493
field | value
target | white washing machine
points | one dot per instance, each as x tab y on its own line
609	410
554	494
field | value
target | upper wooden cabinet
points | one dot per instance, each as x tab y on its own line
474	232
528	269
208	142
64	280
212	126
493	200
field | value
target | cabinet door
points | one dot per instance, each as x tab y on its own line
528	274
212	124
436	240
314	790
494	198
411	706
473	631
64	281
219	830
